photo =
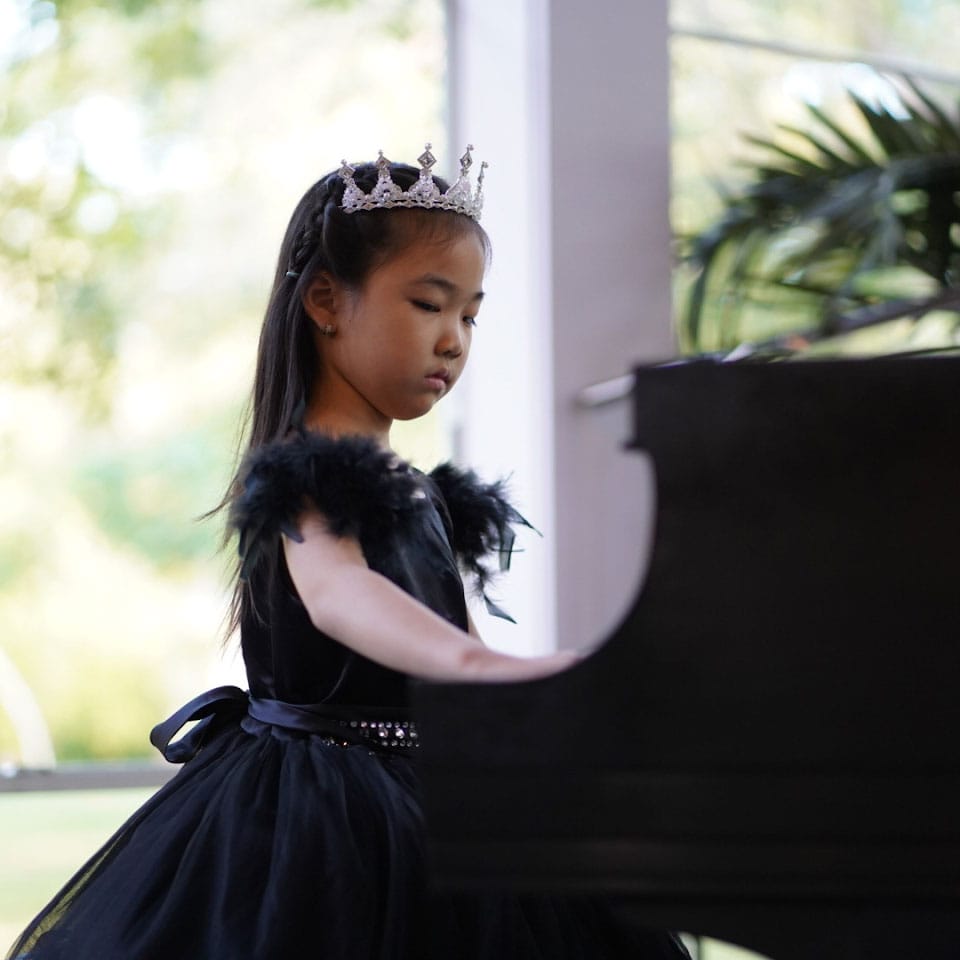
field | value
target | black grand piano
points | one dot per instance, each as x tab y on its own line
767	750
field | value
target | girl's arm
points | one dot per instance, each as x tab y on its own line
368	613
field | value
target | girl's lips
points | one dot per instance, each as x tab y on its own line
438	379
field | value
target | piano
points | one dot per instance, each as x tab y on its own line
767	749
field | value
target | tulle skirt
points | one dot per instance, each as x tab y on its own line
277	844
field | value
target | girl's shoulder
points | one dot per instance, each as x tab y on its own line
480	514
480	523
369	493
361	489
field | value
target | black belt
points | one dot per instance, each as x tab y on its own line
367	726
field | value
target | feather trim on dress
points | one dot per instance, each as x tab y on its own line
482	522
361	489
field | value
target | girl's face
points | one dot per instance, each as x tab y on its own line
401	342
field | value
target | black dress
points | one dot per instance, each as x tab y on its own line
294	827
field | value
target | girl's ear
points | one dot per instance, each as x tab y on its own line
320	300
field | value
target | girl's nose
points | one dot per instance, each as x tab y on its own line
451	342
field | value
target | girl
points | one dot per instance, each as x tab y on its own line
294	828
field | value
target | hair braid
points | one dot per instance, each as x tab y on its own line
307	240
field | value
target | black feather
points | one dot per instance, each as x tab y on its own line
482	522
361	489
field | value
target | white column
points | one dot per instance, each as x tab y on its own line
569	102
498	102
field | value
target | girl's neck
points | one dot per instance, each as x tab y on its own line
339	423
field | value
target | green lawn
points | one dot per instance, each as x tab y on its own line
44	838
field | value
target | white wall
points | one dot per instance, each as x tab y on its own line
569	102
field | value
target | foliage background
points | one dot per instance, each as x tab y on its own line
726	96
151	153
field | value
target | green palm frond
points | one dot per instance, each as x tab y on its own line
830	217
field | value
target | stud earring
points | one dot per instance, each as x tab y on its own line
328	330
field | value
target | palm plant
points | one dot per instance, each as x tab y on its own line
837	230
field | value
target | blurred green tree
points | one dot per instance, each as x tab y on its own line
148	149
71	218
849	223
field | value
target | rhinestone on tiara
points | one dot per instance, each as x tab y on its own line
460	198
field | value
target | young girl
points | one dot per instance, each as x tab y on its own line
294	827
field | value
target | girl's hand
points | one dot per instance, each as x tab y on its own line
485	665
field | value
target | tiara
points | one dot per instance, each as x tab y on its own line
460	198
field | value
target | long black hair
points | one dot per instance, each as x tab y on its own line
348	246
322	238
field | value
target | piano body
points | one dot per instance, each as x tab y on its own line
767	749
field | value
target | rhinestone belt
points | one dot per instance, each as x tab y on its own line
383	733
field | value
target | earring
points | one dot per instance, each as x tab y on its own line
328	330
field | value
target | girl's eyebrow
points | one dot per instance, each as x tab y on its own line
447	286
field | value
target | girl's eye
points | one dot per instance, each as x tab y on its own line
424	305
470	321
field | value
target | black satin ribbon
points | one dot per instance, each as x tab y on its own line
308	717
218	706
212	709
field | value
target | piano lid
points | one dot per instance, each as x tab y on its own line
776	720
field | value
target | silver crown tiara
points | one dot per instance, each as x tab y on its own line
460	198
